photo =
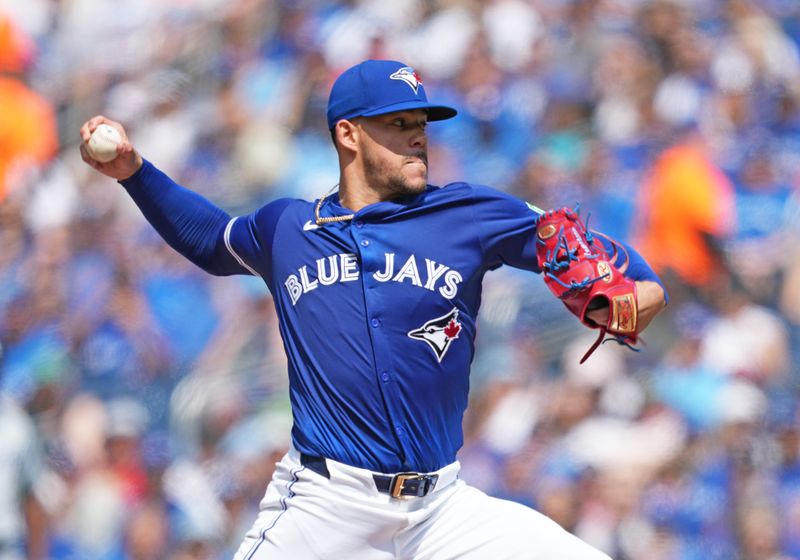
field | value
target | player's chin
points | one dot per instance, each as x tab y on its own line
416	186
416	176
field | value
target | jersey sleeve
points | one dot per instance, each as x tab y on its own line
506	227
249	239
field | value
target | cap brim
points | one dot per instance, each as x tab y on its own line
435	112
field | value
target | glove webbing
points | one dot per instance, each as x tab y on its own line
553	264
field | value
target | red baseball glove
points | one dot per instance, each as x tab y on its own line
584	274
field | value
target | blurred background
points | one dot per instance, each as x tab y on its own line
144	403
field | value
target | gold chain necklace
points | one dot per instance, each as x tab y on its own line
320	221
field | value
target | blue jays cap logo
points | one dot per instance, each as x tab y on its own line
439	333
408	75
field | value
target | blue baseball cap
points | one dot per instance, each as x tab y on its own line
376	87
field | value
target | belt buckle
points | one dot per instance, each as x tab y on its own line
400	479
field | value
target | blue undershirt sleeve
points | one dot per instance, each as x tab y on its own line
637	268
189	223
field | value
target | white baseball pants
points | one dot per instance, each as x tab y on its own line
305	516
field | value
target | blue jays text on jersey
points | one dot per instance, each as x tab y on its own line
377	314
344	268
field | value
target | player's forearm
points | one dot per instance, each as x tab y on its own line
650	300
651	296
189	223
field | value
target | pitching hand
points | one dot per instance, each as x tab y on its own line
127	162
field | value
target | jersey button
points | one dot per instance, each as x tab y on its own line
375	323
364	242
359	224
385	376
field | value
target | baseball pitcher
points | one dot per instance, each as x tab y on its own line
377	288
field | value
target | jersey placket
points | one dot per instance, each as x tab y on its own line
370	255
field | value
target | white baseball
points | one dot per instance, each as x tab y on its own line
102	145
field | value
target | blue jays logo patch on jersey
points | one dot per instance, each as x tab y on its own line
439	333
408	75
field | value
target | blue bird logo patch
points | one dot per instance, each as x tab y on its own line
439	333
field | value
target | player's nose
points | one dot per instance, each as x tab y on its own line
419	139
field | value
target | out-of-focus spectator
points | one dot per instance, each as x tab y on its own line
686	212
746	339
16	48
684	381
788	483
762	237
26	497
28	133
147	535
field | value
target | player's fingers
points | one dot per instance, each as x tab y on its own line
120	129
96	121
599	316
85	132
87	158
89	126
114	124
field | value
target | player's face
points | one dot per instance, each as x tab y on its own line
394	152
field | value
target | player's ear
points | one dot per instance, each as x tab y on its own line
345	134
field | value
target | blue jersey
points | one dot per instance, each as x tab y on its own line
377	313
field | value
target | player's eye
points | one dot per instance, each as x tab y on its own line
404	124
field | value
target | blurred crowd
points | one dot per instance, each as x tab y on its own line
144	403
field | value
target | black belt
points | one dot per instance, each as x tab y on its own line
400	485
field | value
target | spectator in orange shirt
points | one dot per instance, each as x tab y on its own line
686	209
28	131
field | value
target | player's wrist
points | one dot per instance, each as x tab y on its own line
138	162
651	300
134	172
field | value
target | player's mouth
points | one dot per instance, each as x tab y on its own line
419	157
